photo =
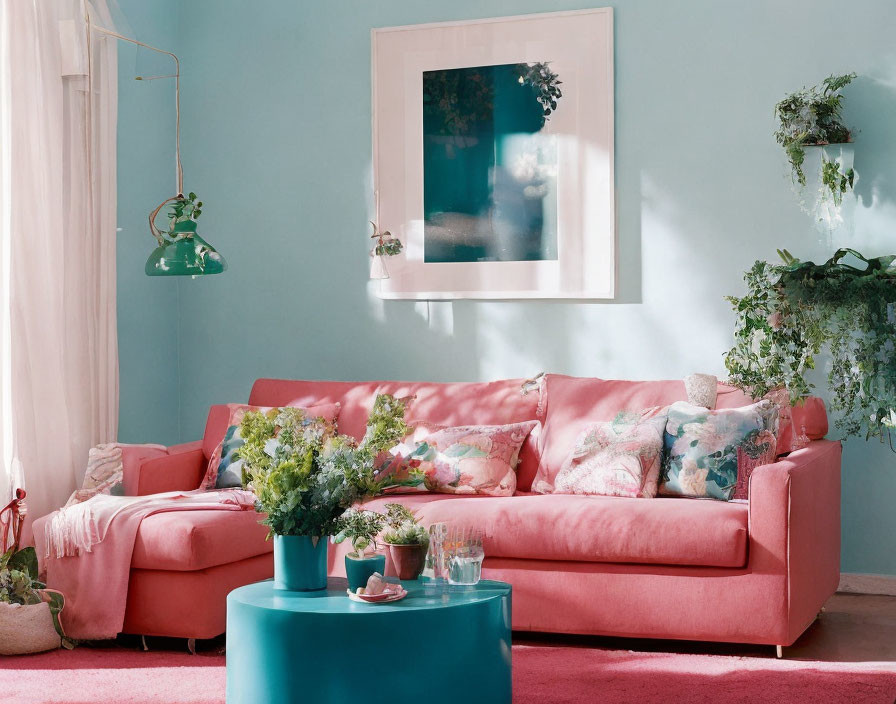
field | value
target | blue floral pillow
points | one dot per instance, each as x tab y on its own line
225	468
706	452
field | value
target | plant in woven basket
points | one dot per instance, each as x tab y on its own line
795	310
19	585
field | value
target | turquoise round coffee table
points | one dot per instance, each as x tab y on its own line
441	645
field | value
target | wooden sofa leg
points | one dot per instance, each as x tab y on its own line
191	645
143	641
779	651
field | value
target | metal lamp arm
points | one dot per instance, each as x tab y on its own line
175	75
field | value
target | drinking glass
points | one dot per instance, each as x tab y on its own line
435	558
464	555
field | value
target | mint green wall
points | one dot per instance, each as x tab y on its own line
147	307
277	143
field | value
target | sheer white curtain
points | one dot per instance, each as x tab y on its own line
58	344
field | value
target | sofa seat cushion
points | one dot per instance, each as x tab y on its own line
668	531
195	540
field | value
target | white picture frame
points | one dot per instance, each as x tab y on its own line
574	250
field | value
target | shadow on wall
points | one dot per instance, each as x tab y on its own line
870	105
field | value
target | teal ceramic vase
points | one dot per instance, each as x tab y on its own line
358	570
300	563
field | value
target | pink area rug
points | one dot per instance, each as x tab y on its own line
541	673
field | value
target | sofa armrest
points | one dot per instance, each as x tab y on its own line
179	470
795	527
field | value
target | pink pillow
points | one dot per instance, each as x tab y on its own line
327	412
469	459
572	403
621	457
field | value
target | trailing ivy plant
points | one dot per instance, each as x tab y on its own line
794	310
184	210
812	116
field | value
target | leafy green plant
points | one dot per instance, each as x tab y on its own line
19	585
404	527
795	310
462	101
184	209
812	116
545	84
361	527
386	245
836	181
308	476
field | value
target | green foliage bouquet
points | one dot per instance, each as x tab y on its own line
305	476
795	310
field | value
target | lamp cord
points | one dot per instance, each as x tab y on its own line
179	169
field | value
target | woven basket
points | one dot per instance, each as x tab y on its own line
27	629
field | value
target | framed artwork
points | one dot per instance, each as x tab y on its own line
493	156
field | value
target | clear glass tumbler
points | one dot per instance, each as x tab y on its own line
465	564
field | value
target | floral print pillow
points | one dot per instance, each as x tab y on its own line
470	459
225	469
621	457
710	454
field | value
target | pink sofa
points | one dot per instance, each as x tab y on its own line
754	572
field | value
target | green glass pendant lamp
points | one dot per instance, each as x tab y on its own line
180	251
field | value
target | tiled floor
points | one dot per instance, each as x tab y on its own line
852	628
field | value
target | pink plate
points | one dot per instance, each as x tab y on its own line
384	598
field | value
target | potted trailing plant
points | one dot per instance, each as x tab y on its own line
812	117
29	612
181	250
408	541
305	476
794	310
184	213
361	528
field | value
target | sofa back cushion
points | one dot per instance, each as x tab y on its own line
449	404
572	403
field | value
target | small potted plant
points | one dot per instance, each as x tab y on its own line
812	118
408	541
29	612
361	527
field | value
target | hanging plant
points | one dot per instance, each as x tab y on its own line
185	210
795	310
386	245
812	117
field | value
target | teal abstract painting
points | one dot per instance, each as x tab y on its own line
489	168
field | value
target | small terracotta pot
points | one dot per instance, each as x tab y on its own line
408	560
